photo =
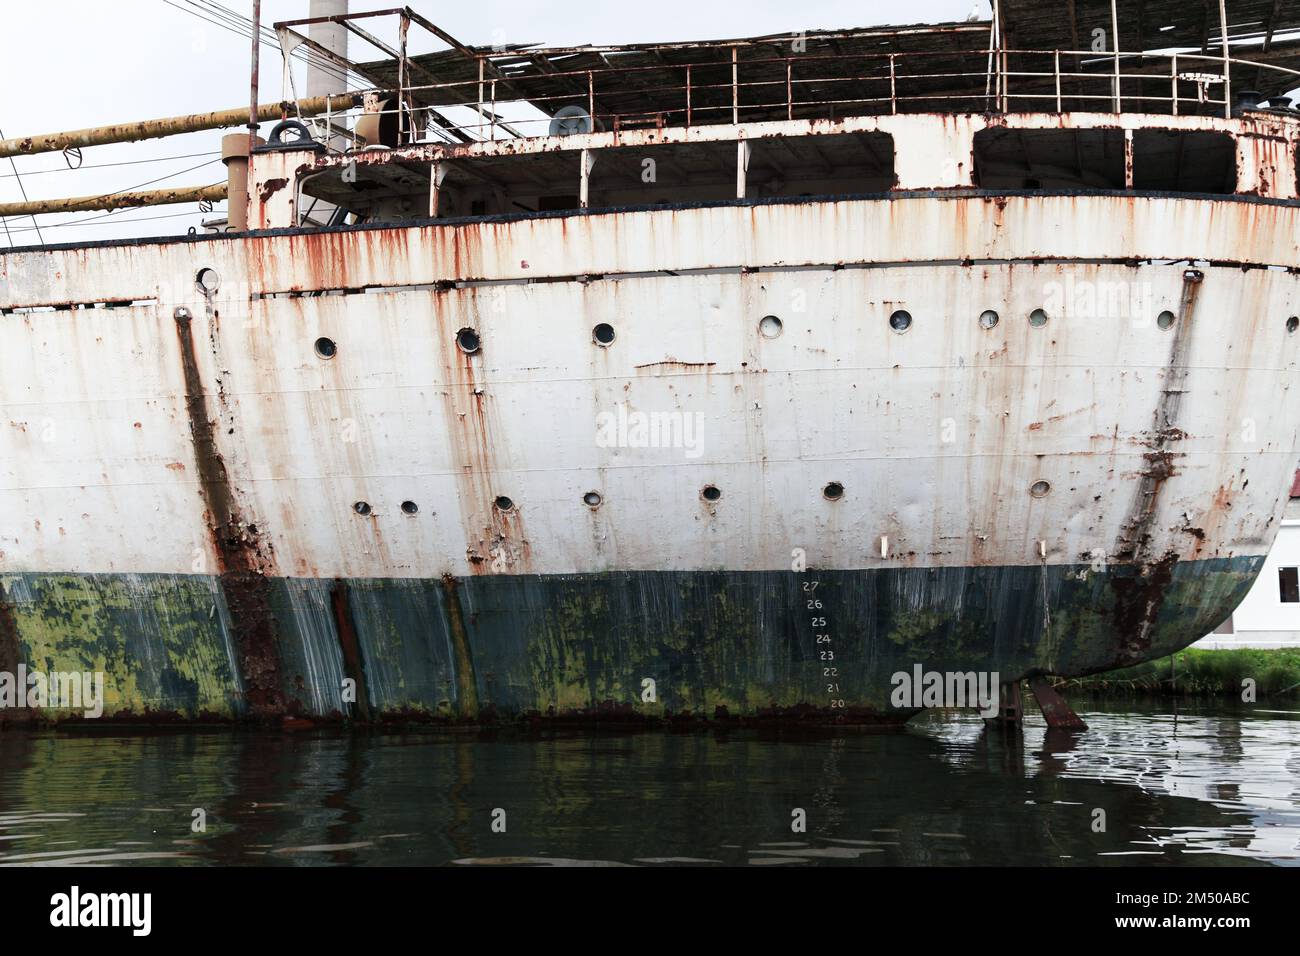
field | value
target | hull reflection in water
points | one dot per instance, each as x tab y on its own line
1204	788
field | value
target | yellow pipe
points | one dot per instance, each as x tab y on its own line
172	125
153	197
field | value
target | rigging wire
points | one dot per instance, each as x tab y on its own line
241	26
118	192
116	216
23	190
125	162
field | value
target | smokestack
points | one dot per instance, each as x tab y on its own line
324	77
327	77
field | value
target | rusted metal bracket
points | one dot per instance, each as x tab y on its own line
1055	710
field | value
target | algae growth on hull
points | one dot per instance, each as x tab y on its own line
739	644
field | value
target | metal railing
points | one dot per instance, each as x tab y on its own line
721	87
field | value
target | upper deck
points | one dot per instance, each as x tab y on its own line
1032	99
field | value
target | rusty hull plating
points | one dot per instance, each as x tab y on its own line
184	466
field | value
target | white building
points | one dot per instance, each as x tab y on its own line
1270	614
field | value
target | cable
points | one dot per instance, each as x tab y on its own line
23	190
313	58
118	192
179	172
125	162
244	29
99	220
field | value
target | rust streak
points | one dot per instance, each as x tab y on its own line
466	680
242	568
353	666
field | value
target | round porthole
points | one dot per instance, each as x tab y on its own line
467	341
1292	324
603	334
1165	320
1039	489
208	281
900	321
362	508
592	499
710	493
504	504
988	319
410	507
833	491
770	327
1038	318
326	348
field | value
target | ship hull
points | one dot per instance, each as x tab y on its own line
228	520
719	644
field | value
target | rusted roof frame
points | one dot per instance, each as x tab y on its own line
637	86
941	29
361	70
1269	29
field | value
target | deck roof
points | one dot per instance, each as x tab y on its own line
935	67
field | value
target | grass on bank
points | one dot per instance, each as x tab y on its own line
1201	673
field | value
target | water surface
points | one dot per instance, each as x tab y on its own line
1198	787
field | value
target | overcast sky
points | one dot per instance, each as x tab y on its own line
69	64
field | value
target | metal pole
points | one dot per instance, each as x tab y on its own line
257	49
403	82
789	96
1173	78
1058	80
1114	28
1227	66
893	87
735	90
688	94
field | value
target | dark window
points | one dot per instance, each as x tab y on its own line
1185	161
1049	159
1288	585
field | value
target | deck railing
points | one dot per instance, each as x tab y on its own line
723	86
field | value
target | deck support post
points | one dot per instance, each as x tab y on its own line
437	173
743	152
584	184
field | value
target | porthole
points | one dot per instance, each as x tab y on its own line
603	334
592	499
467	341
1040	488
1038	318
770	327
1165	320
900	321
410	507
504	504
710	493
1292	324
362	508
988	319
326	348
208	281
833	491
